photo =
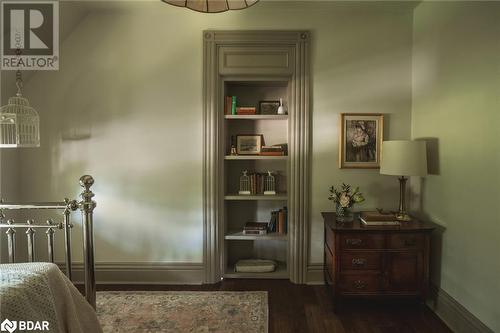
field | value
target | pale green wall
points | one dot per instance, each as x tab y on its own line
131	76
9	161
456	89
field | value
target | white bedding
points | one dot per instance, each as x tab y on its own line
41	292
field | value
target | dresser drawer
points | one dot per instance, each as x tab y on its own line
362	241
330	238
360	261
359	283
406	241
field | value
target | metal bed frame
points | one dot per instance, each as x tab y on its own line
86	206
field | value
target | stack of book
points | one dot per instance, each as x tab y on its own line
272	151
279	221
278	224
376	218
255	228
246	110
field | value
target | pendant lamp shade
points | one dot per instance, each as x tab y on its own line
212	6
19	124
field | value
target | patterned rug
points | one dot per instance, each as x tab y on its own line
183	311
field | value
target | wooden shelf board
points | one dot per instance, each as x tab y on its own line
254	157
277	197
257	116
238	235
280	273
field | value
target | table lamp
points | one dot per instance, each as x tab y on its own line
403	158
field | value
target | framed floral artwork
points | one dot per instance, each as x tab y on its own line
360	141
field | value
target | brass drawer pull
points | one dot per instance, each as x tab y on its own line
358	284
358	262
353	241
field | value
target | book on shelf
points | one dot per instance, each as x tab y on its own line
246	110
233	105
279	221
256	183
377	218
272	148
228	102
254	232
255	228
272	153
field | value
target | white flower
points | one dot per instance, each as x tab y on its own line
358	197
344	200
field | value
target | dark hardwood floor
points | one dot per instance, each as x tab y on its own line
304	308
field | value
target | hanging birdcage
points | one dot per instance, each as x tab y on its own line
19	123
245	184
270	184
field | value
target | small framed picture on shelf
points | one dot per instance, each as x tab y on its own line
361	136
249	144
269	107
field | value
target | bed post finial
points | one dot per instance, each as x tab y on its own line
86	181
87	206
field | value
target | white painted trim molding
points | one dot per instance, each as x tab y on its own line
142	273
297	73
315	274
455	316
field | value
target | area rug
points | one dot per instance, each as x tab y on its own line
183	311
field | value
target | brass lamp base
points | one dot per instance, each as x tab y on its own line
402	216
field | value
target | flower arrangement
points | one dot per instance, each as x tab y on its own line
344	198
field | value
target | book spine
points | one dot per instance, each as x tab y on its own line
285	214
257	183
272	153
233	105
245	111
262	177
272	227
254	183
254	232
281	221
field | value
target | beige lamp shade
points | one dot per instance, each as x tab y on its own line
404	158
212	6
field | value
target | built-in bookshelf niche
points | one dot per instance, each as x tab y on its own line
255	67
256	207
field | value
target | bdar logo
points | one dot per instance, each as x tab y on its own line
8	326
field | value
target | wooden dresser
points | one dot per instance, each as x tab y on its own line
376	261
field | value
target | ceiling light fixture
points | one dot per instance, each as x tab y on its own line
212	6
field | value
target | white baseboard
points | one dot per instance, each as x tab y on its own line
315	274
142	273
458	318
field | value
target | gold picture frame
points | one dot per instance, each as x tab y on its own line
360	140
